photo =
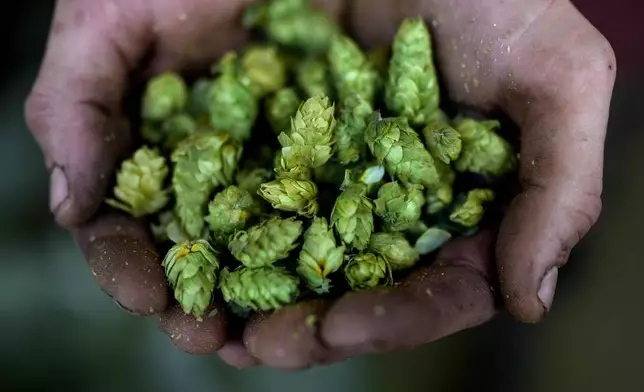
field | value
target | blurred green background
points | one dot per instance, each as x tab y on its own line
60	331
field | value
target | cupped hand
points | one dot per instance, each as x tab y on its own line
540	62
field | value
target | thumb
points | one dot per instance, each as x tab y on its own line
73	109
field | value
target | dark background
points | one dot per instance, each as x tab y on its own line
58	330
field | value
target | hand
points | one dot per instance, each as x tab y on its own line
539	61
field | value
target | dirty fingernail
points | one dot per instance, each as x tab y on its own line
59	189
546	291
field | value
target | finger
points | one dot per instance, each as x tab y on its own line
452	294
234	353
288	338
195	336
558	92
124	262
73	108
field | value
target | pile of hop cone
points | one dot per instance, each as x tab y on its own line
305	166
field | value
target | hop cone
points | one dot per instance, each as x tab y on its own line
367	270
198	105
310	140
140	183
431	239
354	114
233	107
293	24
395	145
411	90
266	242
399	207
470	212
191	269
229	210
259	289
290	168
484	151
353	74
320	256
165	95
312	77
280	107
264	68
352	216
395	249
202	162
443	141
441	194
291	195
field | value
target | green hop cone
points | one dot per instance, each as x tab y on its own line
399	206
395	145
290	168
266	242
313	78
366	271
264	68
352	216
233	107
354	114
484	151
258	289
441	194
198	105
320	256
469	212
431	239
165	95
291	195
176	128
411	89
202	162
395	249
191	268
309	142
228	211
139	186
251	179
443	141
294	24
352	72
280	108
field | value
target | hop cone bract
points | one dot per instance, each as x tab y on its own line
259	289
266	242
191	269
140	186
320	256
469	212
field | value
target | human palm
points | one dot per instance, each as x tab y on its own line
540	62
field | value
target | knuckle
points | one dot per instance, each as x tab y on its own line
38	109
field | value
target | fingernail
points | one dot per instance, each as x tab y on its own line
58	190
546	291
